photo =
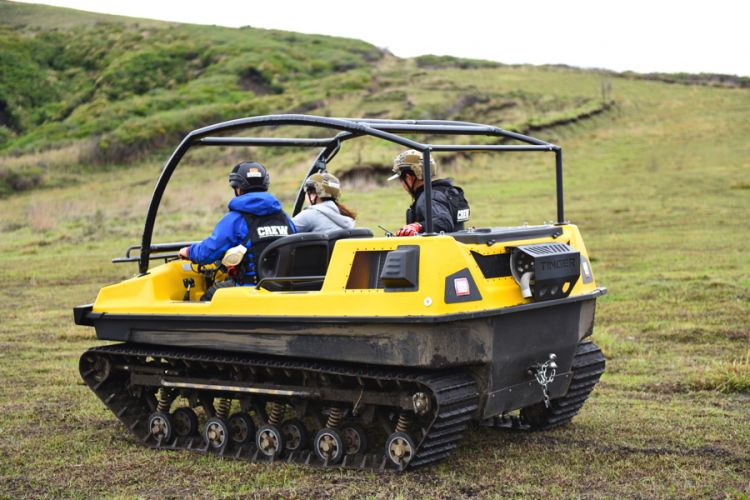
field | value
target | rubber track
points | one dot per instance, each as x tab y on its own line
456	395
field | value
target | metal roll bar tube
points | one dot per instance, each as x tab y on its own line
348	129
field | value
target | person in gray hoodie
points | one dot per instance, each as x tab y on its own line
325	213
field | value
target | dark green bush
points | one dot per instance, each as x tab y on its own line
139	72
433	61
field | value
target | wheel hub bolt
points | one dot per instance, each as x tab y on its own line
421	403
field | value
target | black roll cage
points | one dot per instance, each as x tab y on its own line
349	128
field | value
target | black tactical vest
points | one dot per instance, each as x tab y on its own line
457	204
261	231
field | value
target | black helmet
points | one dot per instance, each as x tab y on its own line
249	176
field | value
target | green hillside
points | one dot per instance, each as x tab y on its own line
113	90
656	178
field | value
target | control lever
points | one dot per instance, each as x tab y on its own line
388	234
188	283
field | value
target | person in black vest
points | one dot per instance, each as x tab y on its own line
255	219
450	210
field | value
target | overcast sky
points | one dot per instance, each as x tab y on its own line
644	36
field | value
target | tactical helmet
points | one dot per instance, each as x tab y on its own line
325	185
249	176
411	160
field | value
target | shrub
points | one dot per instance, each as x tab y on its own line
12	181
437	62
145	70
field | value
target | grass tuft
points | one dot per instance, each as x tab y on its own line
725	377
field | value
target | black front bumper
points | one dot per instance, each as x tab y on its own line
83	315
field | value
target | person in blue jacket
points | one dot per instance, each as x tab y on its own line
255	219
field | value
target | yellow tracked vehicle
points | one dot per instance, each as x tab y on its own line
351	350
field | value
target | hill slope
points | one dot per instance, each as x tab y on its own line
109	89
124	68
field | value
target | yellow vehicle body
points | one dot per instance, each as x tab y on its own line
162	291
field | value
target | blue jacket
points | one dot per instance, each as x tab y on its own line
231	230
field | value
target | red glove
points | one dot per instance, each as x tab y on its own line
410	229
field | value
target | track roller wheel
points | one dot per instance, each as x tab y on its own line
217	433
399	448
270	440
295	435
160	426
102	368
329	446
185	421
242	428
355	440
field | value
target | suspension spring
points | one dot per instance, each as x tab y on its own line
223	407
276	414
404	422
334	418
166	397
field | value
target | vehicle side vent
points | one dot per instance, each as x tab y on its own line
493	266
545	271
401	270
546	249
366	269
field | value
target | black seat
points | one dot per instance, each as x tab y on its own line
340	234
304	256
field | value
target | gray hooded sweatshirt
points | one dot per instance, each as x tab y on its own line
323	218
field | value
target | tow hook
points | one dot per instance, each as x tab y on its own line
544	373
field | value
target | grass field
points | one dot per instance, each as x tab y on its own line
659	185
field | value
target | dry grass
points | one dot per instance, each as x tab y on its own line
57	158
725	376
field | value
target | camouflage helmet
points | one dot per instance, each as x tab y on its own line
324	184
411	160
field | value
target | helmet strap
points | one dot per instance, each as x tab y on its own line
410	186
